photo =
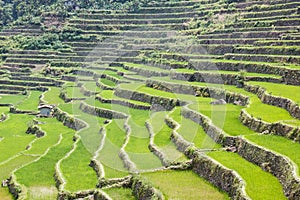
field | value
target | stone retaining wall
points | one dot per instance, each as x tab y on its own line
35	130
271	162
157	102
143	190
101	112
223	178
68	120
18	191
285	103
270	128
123	103
217	93
280	166
155	149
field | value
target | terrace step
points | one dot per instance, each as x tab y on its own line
19	65
146	21
12	33
272	18
273	50
287	11
12	87
264	58
244	41
265	23
277	43
255	29
252	34
10	92
126	27
137	16
265	6
30	61
147	10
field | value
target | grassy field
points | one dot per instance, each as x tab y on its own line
183	185
52	96
287	91
105	52
259	184
12	99
31	102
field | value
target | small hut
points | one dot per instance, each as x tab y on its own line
45	110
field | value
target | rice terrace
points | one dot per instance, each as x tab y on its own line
150	99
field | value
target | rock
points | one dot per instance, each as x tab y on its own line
238	103
5	183
231	149
265	132
218	102
106	121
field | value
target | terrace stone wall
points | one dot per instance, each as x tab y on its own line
157	102
68	120
221	177
35	130
217	134
123	103
143	190
96	194
64	96
278	165
155	149
17	190
101	112
228	79
217	93
285	103
269	161
270	128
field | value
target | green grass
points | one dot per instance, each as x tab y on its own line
91	86
146	67
52	96
270	113
90	136
74	92
247	74
193	132
36	174
76	167
41	144
279	144
120	193
161	130
115	132
113	165
162	138
111	172
259	184
107	82
7	168
31	102
12	99
223	116
288	91
13	133
113	74
107	94
184	185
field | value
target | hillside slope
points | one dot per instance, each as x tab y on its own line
156	100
